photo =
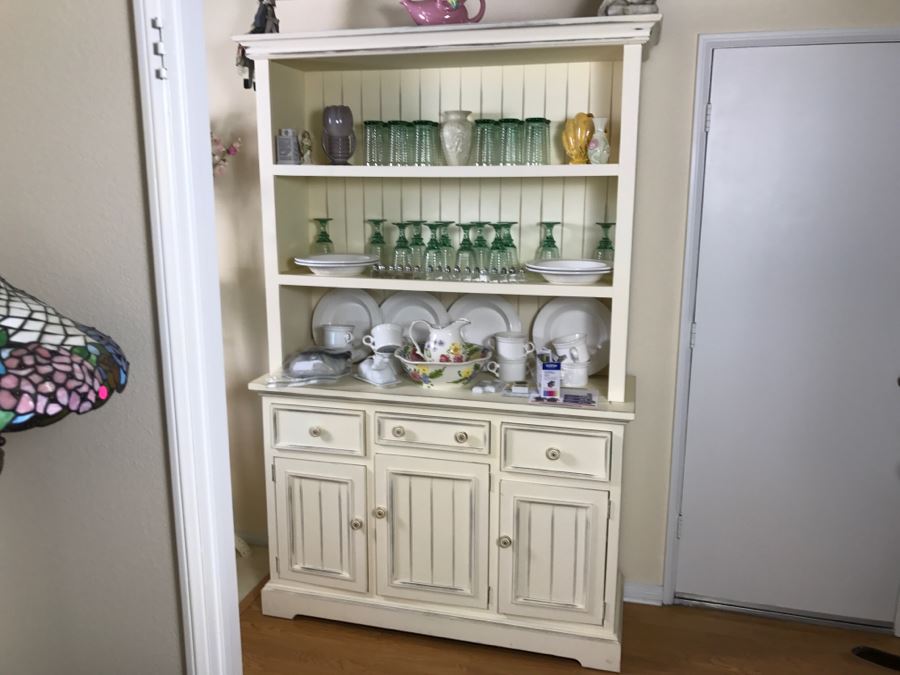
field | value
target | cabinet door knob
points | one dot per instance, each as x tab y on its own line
356	524
380	512
398	431
315	432
504	541
461	436
553	454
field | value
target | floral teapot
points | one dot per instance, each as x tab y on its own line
429	12
444	344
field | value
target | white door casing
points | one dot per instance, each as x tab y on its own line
553	551
431	535
321	515
816	388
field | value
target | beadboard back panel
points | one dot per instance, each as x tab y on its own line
576	203
556	91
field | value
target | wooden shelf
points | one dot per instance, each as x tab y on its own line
540	171
533	287
401	43
456	397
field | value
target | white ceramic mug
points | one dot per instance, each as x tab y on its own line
573	347
512	346
574	374
337	336
385	337
508	371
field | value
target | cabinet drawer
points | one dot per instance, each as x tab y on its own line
437	433
579	453
317	430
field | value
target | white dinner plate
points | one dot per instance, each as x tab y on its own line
406	306
564	316
351	307
488	314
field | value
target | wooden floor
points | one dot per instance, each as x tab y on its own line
657	640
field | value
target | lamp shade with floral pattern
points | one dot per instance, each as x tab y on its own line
51	366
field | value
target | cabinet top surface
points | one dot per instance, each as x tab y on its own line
577	32
409	393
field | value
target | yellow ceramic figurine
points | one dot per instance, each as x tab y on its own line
578	133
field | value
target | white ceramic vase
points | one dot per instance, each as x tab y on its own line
456	137
598	147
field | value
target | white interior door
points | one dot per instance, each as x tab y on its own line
792	468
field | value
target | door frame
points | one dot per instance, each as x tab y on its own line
706	48
175	116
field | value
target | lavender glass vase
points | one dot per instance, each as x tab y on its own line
338	138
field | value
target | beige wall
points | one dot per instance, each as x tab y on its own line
87	563
663	161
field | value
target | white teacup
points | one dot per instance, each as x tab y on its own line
337	336
574	374
385	337
508	371
512	346
573	347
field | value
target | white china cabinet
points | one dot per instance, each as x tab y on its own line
476	517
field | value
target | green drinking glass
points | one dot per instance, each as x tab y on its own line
376	245
322	243
605	250
548	250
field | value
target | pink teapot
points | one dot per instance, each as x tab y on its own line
429	12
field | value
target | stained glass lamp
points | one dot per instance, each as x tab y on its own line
51	366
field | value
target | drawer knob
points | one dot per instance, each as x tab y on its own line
356	524
315	432
504	541
380	512
553	454
461	436
398	431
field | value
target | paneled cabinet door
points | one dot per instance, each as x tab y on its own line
431	520
320	508
552	551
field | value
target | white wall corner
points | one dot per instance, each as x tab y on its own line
643	594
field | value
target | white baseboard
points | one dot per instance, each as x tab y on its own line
254	538
643	594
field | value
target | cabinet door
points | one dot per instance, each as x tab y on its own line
321	514
432	528
552	551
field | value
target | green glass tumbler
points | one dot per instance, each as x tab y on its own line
486	132
537	140
510	139
423	143
398	149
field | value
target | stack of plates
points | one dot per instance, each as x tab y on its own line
569	271
337	264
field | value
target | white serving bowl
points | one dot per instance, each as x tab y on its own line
443	374
569	272
337	264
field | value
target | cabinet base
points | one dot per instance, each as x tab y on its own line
590	652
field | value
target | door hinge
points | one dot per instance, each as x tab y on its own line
693	334
277	566
490	593
678	524
708	117
490	482
159	50
273	472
